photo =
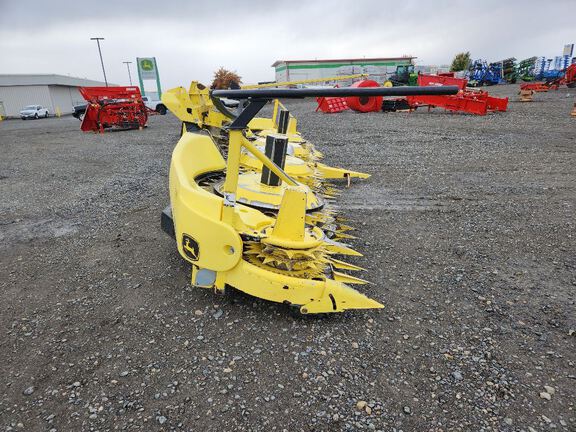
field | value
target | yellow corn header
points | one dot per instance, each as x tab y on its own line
251	205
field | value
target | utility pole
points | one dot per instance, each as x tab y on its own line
98	39
127	63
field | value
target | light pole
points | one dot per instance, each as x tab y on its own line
98	39
128	67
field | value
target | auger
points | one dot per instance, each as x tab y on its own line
240	213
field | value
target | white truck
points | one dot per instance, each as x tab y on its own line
155	105
33	111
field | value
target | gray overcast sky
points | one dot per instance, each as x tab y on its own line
192	39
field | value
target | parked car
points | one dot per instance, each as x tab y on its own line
155	105
33	111
79	111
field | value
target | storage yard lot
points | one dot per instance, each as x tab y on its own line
468	232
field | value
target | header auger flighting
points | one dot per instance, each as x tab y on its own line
252	208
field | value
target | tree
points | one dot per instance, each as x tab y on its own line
461	61
224	79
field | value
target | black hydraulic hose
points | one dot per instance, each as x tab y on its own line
334	92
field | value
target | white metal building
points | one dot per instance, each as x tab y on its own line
51	91
378	69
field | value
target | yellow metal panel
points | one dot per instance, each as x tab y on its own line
343	277
315	296
251	192
196	212
261	123
290	222
194	105
339	297
292	137
339	173
344	265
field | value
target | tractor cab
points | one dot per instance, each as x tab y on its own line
404	75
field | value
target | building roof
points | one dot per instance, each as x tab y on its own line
348	60
8	80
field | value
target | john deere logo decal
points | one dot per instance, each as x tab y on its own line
190	247
147	65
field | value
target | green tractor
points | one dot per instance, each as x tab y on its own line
403	76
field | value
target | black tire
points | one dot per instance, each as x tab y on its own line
161	109
36	116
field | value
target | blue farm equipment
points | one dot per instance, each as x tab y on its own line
551	69
481	73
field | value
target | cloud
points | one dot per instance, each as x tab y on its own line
192	39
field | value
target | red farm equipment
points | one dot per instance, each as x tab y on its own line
466	100
113	108
473	102
431	80
569	79
331	105
361	104
536	87
570	76
365	104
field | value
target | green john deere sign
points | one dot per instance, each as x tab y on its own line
147	65
148	70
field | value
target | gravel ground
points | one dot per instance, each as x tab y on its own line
467	226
